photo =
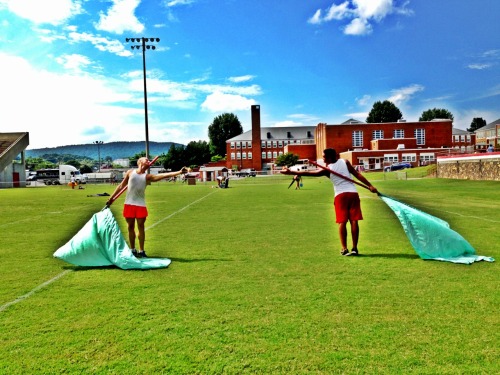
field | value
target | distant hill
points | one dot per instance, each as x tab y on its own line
116	150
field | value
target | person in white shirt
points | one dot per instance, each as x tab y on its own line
134	209
347	203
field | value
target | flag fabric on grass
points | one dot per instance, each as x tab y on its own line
100	243
431	237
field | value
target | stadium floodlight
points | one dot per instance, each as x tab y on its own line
99	143
144	47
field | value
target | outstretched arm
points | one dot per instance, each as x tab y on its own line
360	177
316	173
119	189
162	176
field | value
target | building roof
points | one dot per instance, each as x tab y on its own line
456	131
491	125
278	133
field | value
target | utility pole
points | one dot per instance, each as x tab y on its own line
143	46
99	143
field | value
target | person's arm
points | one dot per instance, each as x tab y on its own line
316	173
360	177
119	188
161	176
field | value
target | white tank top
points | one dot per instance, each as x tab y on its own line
341	185
136	189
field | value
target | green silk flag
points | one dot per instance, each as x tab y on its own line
100	243
431	237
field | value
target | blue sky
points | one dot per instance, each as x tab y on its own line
69	77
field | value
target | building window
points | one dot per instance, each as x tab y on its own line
275	144
357	138
263	155
420	135
280	153
238	156
243	144
269	144
378	134
263	144
280	144
232	144
426	157
409	157
244	155
275	154
249	155
398	133
391	158
249	144
232	156
269	155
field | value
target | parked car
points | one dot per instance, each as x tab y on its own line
397	166
250	172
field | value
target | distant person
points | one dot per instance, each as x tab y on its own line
490	148
72	181
347	203
134	209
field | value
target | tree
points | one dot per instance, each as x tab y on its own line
287	160
223	127
196	153
174	160
384	111
434	113
477	122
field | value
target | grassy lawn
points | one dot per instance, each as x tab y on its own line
256	284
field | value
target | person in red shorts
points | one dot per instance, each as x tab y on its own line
347	203
135	210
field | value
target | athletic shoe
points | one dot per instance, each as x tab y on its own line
353	253
344	252
141	254
134	252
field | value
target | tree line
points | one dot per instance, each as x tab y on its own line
222	128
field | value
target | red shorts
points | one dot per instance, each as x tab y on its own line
134	212
347	207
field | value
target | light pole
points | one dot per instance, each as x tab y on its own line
99	143
144	47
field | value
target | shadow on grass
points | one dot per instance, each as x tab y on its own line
404	256
185	260
112	267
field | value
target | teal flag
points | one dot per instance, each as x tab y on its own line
100	243
431	237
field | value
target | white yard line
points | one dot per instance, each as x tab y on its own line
55	278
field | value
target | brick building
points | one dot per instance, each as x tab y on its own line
369	145
488	135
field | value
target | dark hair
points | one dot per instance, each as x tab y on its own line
331	154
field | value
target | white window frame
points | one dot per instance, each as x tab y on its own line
420	136
357	138
398	133
377	134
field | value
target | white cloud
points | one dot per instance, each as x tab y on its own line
54	12
358	26
479	66
404	94
364	100
120	18
222	102
174	3
101	43
361	13
241	78
73	62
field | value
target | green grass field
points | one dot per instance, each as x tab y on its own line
256	284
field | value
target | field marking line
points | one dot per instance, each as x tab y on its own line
57	277
180	210
33	291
